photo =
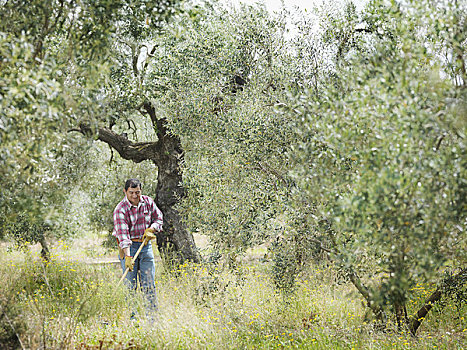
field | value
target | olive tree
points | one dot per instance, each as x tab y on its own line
44	47
220	73
68	66
381	159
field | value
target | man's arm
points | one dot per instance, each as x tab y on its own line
122	231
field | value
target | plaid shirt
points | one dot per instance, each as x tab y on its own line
130	221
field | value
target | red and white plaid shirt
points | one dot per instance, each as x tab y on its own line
131	221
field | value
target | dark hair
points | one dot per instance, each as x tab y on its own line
133	183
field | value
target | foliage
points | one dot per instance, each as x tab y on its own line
218	74
50	301
11	324
46	78
383	157
23	231
55	57
348	140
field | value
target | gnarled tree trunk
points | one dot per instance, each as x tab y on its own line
175	244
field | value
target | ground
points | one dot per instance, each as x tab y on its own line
75	305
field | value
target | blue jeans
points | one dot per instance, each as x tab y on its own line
145	271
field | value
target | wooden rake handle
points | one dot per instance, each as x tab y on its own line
133	261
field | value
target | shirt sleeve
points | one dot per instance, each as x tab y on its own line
156	218
121	229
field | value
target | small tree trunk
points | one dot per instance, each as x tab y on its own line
45	252
416	320
356	281
401	315
454	280
377	309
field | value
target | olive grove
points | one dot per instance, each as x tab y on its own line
336	138
74	66
351	142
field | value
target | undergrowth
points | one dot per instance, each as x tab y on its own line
69	305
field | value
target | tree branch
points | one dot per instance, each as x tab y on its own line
416	320
135	151
320	245
357	282
159	123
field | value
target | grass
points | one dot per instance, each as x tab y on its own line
67	304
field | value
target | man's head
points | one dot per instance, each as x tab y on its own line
133	191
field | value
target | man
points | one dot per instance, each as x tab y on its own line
136	218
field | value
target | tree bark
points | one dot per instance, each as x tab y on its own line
401	315
378	311
458	279
175	243
45	252
417	319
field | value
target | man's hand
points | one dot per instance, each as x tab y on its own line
129	264
148	235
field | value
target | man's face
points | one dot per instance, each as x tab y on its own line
133	194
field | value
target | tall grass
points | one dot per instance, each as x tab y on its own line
72	305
